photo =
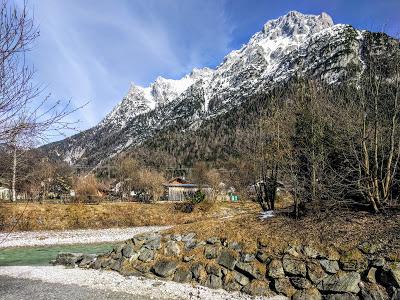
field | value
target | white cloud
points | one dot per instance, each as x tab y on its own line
91	50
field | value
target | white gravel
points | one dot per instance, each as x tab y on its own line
81	236
112	281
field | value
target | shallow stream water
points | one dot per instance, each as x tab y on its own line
41	256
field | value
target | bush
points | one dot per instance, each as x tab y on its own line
193	199
198	197
87	189
185	207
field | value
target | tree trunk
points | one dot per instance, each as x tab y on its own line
14	174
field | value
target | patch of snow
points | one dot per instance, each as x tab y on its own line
266	215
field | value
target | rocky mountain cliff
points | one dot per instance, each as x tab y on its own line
292	46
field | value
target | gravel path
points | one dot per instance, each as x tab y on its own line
81	236
77	283
17	288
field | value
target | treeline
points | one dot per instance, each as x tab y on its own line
336	144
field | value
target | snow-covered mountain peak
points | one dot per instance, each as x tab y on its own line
143	99
165	90
295	23
277	39
294	45
198	73
137	101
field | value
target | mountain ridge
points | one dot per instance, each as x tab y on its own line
294	45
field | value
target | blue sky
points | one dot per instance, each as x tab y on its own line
90	50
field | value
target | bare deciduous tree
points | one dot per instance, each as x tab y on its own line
26	117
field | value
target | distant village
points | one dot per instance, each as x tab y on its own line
88	188
128	182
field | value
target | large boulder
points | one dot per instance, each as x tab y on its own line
240	278
231	284
172	249
214	269
116	265
116	253
247	257
275	269
183	275
354	260
102	261
293	251
214	240
191	244
214	282
263	256
247	269
312	252
128	250
153	242
228	259
329	266
211	251
283	286
234	246
188	237
294	266
143	268
389	275
199	272
394	269
341	282
372	292
165	268
315	272
308	294
87	260
300	283
371	275
258	288
68	259
378	262
146	255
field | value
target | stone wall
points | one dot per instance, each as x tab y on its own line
298	272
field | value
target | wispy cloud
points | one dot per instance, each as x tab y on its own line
91	50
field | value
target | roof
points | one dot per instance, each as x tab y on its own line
179	180
182	182
187	185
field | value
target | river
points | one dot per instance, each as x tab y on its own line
41	256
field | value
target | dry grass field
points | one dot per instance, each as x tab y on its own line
233	221
342	230
34	216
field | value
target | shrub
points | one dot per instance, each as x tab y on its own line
87	190
185	207
198	197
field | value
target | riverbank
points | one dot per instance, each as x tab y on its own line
138	288
79	236
349	263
